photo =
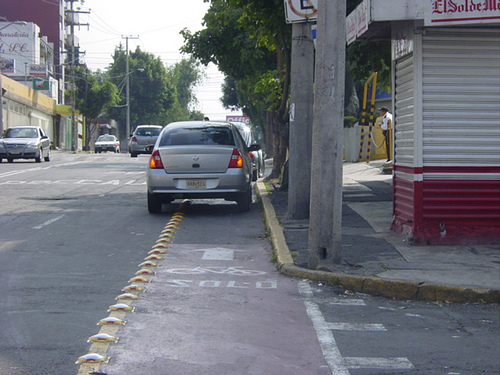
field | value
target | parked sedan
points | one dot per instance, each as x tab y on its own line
142	139
257	157
107	143
24	142
200	159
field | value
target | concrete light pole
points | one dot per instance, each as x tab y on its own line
327	154
127	86
301	118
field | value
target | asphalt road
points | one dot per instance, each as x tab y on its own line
73	232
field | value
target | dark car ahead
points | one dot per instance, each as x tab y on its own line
200	159
24	142
143	139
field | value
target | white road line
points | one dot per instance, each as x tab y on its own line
48	222
355	327
342	302
337	364
327	341
381	363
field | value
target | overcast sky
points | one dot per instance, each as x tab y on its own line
156	25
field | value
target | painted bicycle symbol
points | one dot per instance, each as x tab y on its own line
237	271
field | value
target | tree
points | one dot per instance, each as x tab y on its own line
185	75
250	43
95	94
152	93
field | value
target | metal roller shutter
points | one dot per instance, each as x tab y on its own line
461	91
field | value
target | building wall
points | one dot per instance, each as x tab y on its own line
25	106
48	15
447	162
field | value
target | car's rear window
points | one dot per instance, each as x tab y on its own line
148	131
106	138
210	135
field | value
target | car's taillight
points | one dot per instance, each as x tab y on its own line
134	139
251	155
236	160
155	160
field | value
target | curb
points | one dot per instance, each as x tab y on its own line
396	289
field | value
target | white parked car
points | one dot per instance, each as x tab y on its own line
107	143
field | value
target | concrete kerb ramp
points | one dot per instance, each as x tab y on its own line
397	289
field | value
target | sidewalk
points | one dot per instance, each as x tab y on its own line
375	260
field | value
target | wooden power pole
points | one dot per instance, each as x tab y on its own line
327	140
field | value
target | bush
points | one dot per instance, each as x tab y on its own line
349	121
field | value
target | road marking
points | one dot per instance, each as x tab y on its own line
327	341
265	284
235	271
337	364
48	222
218	253
380	363
355	327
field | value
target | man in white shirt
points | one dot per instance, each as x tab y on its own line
385	124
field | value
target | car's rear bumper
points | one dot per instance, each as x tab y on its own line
227	185
134	148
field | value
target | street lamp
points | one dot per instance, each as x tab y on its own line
22	23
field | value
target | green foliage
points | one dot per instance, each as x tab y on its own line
269	87
349	121
95	94
364	58
158	95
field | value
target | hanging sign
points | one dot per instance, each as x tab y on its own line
460	12
301	10
41	84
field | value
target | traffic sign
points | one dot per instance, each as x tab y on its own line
301	10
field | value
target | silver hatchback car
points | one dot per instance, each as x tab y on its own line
142	139
25	142
200	159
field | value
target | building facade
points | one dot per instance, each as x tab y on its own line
446	95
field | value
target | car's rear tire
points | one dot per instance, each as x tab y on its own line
154	204
244	200
10	160
133	155
47	158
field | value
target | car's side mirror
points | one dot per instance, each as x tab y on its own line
254	147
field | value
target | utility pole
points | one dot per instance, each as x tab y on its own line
127	87
74	54
301	118
325	222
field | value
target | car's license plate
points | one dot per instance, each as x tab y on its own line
15	152
196	184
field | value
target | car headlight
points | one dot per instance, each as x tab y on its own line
32	145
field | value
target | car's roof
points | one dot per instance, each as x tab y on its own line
24	127
149	126
197	124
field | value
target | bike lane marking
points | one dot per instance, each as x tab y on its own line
100	342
